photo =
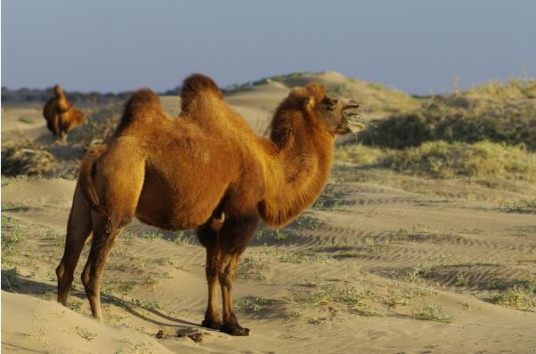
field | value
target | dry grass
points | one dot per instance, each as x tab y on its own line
21	156
480	160
100	125
480	171
518	297
498	112
432	312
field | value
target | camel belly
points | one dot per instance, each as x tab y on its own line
184	204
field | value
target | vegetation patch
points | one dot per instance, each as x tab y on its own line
354	299
498	112
518	297
184	238
26	120
25	157
433	312
100	125
255	304
518	206
480	160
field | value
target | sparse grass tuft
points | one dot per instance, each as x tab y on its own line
10	276
85	333
433	312
251	268
308	222
330	199
11	235
518	297
52	235
150	235
518	206
255	304
183	238
355	299
460	279
279	235
358	154
26	120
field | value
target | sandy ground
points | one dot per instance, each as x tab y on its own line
369	269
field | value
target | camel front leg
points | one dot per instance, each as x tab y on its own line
227	279
208	237
212	315
234	237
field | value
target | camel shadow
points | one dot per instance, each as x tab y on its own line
15	283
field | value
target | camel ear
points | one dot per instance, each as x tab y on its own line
298	91
309	103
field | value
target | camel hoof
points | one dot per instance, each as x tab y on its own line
211	324
235	330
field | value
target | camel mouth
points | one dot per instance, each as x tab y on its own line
353	119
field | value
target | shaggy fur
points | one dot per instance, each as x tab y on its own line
60	114
205	170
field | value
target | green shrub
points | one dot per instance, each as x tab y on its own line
480	160
517	297
491	112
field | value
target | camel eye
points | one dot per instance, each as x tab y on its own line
329	101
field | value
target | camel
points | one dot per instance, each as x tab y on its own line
60	114
205	170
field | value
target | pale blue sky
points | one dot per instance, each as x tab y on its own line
115	45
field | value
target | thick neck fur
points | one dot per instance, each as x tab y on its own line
300	164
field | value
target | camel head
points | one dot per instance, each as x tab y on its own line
58	91
337	114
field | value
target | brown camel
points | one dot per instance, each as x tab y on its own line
60	114
205	170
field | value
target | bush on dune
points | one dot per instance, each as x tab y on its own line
495	112
24	157
101	125
484	160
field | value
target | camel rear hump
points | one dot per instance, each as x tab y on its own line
195	85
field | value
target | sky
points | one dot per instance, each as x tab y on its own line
419	46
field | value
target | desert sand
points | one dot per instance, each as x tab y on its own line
372	267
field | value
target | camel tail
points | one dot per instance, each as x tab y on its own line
195	85
87	186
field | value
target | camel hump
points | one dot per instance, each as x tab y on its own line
143	105
197	84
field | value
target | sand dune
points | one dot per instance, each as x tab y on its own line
357	245
33	325
373	267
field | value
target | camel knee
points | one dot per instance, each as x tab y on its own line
212	273
225	279
60	270
86	278
63	276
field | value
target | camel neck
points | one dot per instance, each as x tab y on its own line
299	170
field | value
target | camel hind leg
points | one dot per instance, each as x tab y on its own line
104	233
120	207
78	231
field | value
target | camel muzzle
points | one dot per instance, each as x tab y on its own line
352	116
